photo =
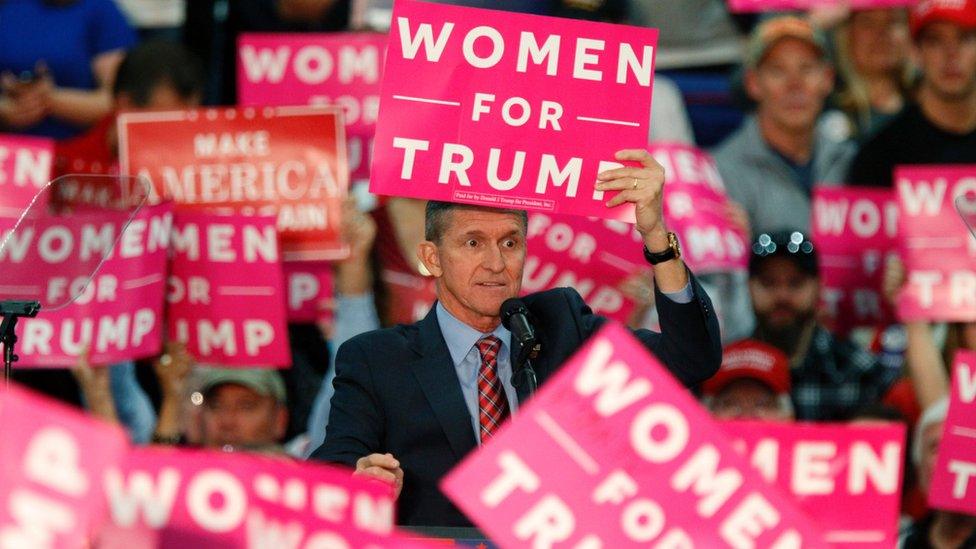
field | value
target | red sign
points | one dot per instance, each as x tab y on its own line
938	250
613	452
283	161
340	69
226	298
954	479
51	481
846	477
855	231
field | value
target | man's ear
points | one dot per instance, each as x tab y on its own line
429	255
751	85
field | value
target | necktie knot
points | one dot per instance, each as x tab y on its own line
488	347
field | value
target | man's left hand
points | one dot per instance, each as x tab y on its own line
642	186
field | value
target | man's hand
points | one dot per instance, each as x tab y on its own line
642	186
384	467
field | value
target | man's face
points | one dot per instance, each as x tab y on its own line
478	264
878	40
748	399
163	97
783	296
790	85
947	55
238	416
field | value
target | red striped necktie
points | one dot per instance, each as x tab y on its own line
492	403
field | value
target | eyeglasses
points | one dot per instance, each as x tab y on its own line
793	242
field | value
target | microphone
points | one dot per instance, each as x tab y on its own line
515	318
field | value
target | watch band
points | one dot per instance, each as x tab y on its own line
672	252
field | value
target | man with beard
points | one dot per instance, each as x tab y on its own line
831	378
940	127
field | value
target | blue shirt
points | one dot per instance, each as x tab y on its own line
461	342
67	38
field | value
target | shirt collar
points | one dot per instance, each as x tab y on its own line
460	337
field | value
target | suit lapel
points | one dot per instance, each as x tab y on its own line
438	379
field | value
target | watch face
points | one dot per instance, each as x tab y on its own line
675	244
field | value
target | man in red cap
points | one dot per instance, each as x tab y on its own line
940	128
753	383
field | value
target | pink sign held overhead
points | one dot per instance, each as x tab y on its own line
954	479
613	452
226	297
25	168
168	497
590	255
846	477
117	314
509	110
757	6
53	458
938	250
310	291
696	207
855	231
341	69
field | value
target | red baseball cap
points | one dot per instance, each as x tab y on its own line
960	12
751	359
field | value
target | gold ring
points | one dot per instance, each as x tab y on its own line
635	184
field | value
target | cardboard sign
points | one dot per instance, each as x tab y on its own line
53	458
340	69
647	465
509	110
310	291
167	497
226	298
592	256
854	231
846	477
25	167
756	6
938	250
954	479
696	208
117	313
284	161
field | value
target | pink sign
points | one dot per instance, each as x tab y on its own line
855	231
117	313
25	167
938	250
341	69
755	6
310	297
954	479
167	497
226	296
696	208
846	477
50	484
509	110
592	256
613	452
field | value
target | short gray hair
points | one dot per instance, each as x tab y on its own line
436	217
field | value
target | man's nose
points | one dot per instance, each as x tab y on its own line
493	260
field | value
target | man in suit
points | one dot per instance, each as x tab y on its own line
411	401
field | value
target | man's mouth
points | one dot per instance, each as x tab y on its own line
492	284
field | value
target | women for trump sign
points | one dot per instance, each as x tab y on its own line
509	110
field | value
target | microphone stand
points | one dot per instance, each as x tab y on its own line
523	374
12	311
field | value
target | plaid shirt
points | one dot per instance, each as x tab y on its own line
836	378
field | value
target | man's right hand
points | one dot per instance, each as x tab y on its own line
384	467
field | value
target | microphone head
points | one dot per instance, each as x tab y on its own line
512	306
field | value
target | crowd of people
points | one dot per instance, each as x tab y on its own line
785	102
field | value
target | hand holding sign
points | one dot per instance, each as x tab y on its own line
384	467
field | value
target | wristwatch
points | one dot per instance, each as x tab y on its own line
673	251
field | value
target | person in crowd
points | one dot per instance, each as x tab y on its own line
875	71
752	383
155	19
772	162
243	409
57	62
113	394
939	127
831	377
153	76
404	290
938	529
406	406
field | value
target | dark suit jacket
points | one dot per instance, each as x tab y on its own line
396	389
